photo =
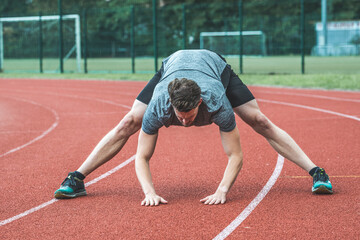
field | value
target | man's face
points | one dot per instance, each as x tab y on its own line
187	118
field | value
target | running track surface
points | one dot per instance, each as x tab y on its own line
48	127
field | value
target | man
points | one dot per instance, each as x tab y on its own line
222	93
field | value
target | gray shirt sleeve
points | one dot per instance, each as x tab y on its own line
225	118
151	123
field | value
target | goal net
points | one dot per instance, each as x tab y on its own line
227	43
20	42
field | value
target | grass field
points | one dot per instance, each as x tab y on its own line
321	72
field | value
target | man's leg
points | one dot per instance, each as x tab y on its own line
113	142
106	149
278	138
283	144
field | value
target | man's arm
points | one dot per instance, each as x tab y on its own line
146	147
231	143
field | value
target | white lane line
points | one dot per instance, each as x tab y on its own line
32	210
246	212
121	165
311	108
45	204
73	96
52	127
312	95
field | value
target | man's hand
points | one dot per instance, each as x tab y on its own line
152	199
217	198
232	147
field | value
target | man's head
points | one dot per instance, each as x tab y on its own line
185	98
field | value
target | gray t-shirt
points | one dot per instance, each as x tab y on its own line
205	68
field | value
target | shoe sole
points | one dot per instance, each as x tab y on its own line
322	190
61	195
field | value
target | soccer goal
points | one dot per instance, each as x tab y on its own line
227	43
19	39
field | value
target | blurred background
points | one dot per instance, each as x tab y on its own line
133	36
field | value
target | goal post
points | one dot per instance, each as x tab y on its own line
77	38
226	42
1	47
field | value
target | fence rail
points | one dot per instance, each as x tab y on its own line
135	37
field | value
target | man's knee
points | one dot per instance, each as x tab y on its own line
129	125
260	122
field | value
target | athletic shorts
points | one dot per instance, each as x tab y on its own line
236	91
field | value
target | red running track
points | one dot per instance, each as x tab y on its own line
48	127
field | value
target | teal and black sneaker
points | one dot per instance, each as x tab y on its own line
71	187
322	183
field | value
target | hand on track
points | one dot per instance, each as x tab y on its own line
217	198
152	200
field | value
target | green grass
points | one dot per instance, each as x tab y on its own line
325	81
321	72
251	65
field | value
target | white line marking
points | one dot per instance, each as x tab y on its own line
243	215
246	212
6	221
311	108
121	165
311	95
9	220
73	96
20	132
52	127
37	208
307	89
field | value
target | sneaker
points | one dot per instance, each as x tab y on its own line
322	183
71	187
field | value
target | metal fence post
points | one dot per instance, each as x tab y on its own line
240	36
61	43
184	25
1	46
85	40
132	39
302	30
40	44
154	2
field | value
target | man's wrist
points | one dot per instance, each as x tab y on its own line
149	192
223	189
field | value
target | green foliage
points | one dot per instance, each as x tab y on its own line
356	40
109	25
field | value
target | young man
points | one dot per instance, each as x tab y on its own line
222	93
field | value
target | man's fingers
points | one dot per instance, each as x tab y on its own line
213	201
153	201
206	200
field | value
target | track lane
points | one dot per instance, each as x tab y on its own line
182	194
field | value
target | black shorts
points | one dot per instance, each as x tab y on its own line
236	91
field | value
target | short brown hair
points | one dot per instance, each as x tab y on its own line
184	94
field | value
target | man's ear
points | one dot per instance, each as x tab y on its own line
200	102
